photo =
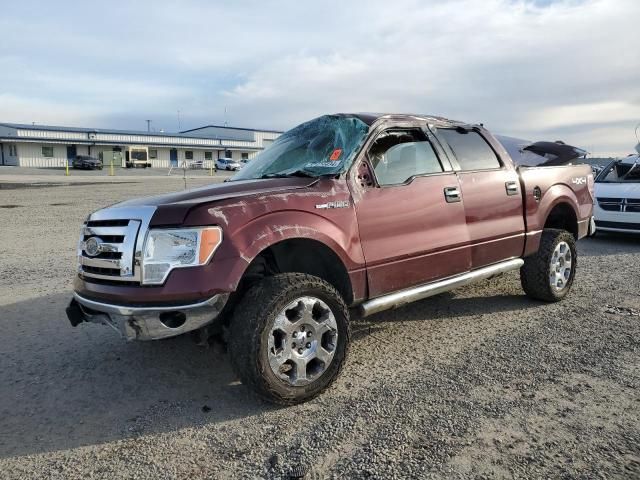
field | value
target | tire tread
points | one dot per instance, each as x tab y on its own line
248	323
534	274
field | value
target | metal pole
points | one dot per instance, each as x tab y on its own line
111	169
66	166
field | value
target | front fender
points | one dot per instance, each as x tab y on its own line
253	237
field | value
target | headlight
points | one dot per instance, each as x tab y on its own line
165	250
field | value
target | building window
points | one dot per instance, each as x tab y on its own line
208	155
228	154
188	155
47	152
245	156
153	153
12	151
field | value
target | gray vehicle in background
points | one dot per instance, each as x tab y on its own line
86	162
227	164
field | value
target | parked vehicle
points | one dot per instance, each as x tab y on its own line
617	191
244	162
227	164
86	162
368	212
137	157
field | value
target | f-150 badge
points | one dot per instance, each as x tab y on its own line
337	204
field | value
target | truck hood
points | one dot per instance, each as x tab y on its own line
172	208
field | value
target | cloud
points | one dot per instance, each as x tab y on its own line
25	110
584	114
535	69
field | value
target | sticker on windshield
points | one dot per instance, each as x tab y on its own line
322	164
335	156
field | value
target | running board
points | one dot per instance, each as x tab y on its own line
402	297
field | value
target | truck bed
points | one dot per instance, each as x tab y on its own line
545	187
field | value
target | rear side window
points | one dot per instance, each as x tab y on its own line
398	155
470	150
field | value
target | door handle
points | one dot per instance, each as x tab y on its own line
452	194
511	187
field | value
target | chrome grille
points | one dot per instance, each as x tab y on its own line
122	231
629	205
115	259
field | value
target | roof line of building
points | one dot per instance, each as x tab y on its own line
220	146
232	128
56	128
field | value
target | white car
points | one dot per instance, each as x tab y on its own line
617	192
227	164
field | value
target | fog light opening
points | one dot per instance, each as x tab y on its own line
173	319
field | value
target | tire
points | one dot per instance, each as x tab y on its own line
535	274
311	306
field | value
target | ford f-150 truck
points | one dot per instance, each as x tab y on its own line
343	214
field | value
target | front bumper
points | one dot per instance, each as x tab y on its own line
149	322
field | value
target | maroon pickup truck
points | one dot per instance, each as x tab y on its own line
342	214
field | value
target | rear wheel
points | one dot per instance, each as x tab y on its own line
289	337
548	275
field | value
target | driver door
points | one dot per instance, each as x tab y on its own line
410	214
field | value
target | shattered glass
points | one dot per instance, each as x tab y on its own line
622	170
323	146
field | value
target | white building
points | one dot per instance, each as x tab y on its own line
49	146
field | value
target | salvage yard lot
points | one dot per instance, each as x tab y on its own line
478	382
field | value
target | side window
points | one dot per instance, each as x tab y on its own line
398	155
470	149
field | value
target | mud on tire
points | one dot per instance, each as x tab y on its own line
282	322
548	275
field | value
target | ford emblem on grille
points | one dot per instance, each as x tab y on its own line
93	246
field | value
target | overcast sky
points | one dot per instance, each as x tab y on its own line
535	69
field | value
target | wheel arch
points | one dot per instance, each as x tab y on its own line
558	208
563	216
300	255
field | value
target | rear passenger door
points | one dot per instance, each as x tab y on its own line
491	196
410	214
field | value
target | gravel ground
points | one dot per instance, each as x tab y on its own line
481	382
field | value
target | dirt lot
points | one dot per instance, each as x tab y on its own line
481	382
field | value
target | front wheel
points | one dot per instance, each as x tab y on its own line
289	337
548	275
